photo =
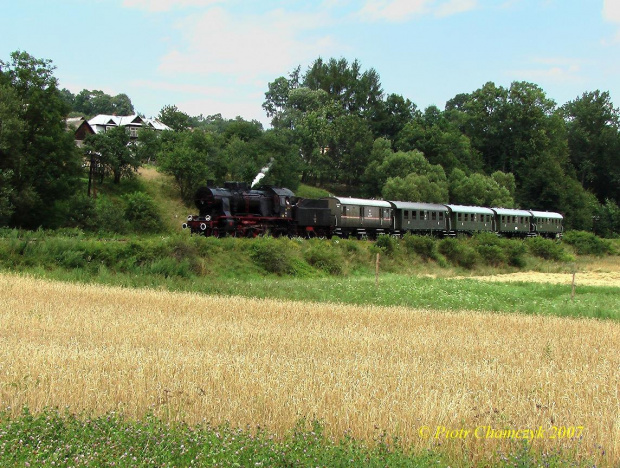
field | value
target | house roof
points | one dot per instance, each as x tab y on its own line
101	121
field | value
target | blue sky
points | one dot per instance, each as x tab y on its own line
217	56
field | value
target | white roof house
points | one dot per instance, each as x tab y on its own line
102	122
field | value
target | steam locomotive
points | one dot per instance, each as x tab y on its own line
241	211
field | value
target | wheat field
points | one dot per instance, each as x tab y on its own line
421	375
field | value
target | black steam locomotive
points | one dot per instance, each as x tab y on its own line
240	211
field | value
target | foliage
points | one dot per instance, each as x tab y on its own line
190	158
459	253
424	246
480	190
326	257
174	118
593	125
586	243
97	102
273	257
408	176
606	221
547	248
142	213
38	157
114	152
387	244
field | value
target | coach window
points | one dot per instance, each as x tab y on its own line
458	216
434	216
414	214
441	216
344	210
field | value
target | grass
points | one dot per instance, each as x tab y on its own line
361	371
315	271
54	438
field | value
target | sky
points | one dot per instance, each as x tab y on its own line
218	56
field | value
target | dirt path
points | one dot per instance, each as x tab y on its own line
583	278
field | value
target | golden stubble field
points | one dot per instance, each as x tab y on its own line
360	370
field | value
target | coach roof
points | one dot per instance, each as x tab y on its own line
361	202
511	212
418	206
547	214
469	209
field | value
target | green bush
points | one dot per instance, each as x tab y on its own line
271	255
141	212
515	250
424	246
458	253
546	248
386	243
586	243
110	216
492	255
324	256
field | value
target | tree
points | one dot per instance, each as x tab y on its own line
6	207
594	143
429	188
174	118
286	164
479	190
35	148
97	102
191	157
115	152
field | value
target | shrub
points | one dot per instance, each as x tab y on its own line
458	253
546	248
386	243
586	243
424	246
515	250
141	212
326	257
492	255
111	216
271	255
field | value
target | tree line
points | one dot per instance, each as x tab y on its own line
332	126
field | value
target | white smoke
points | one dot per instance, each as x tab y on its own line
262	173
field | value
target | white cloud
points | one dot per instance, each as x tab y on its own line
166	5
182	88
245	47
403	10
551	69
454	7
611	13
394	10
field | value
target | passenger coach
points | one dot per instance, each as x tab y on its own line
512	223
424	218
359	217
470	219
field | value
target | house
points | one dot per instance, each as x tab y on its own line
81	129
133	123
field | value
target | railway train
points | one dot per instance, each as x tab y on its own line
241	211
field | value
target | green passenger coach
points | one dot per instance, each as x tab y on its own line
424	218
547	224
512	223
470	219
359	217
